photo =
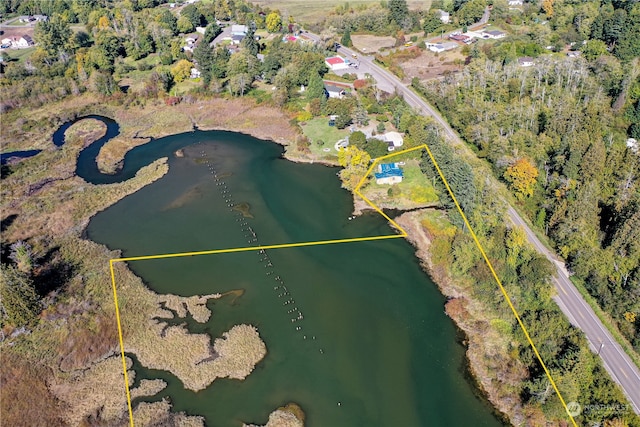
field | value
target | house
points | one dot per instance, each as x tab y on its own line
24	41
393	140
195	73
238	30
494	34
461	38
515	3
442	47
444	16
333	91
237	38
336	63
574	54
389	173
201	30
525	61
632	144
190	43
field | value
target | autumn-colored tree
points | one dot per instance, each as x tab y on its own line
547	6
355	162
103	23
182	70
274	22
522	177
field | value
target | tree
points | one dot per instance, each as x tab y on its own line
53	34
315	89
398	12
19	302
346	38
22	255
212	31
547	6
102	82
184	25
431	22
249	43
471	12
182	70
355	163
274	22
192	13
167	20
358	139
522	176
594	49
204	56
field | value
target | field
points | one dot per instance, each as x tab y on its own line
311	11
369	44
319	130
430	65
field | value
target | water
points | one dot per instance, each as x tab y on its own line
373	347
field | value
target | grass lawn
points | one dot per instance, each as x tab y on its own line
20	54
311	11
319	130
415	190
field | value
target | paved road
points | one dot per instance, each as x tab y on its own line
615	360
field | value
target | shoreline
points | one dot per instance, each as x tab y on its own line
284	136
466	321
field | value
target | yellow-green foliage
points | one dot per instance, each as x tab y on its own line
440	232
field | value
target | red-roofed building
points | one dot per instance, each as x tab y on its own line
336	63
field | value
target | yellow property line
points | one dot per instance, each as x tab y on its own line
403	233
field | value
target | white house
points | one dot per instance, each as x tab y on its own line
393	140
333	91
24	41
632	144
525	61
336	63
238	30
195	73
442	47
444	16
515	3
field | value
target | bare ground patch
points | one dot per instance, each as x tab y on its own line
371	44
430	65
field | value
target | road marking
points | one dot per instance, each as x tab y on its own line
624	373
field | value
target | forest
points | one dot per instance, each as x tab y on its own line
557	134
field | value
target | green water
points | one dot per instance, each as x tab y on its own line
374	345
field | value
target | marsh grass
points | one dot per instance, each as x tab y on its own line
157	414
67	368
290	415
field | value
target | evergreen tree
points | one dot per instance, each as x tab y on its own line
315	89
346	38
19	302
249	42
398	11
